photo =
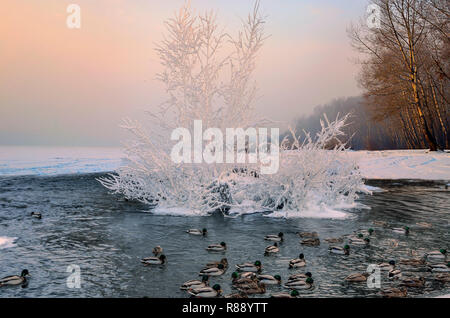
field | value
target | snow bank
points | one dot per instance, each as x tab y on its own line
403	164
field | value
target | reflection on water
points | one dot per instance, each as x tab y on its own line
84	225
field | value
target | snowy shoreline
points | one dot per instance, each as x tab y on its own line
374	165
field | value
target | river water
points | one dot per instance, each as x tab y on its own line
105	236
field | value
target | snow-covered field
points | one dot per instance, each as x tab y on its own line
392	164
403	164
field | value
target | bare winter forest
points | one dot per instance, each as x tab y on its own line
405	73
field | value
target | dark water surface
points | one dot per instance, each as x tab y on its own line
84	225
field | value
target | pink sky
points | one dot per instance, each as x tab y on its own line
61	86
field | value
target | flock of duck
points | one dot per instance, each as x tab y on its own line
247	279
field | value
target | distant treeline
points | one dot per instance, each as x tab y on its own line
364	131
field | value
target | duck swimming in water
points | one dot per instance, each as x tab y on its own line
14	280
416	282
248	267
401	230
300	284
412	262
293	294
195	283
157	250
296	277
154	260
272	249
213	271
243	279
357	277
36	215
333	240
269	279
443	277
394	273
298	262
437	255
275	238
439	268
311	242
254	288
223	261
217	247
340	250
206	292
394	293
424	225
197	232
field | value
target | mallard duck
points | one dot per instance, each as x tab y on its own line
223	261
367	232
357	277
195	283
293	294
381	223
394	292
206	292
157	250
416	282
272	249
401	230
412	262
340	250
213	271
300	284
333	240
36	215
443	277
386	266
248	267
308	234
243	279
439	268
269	279
298	262
394	273
311	242
217	247
436	255
424	225
275	238
253	288
359	241
296	277
15	279
161	259
197	232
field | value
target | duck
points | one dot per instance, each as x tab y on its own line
440	268
213	271
157	250
197	232
243	279
311	242
272	249
36	215
206	292
359	241
223	261
412	261
269	279
394	292
296	277
217	247
195	283
401	230
443	277
367	232
437	255
293	294
385	266
248	267
416	282
300	284
334	240
14	280
308	234
253	288
160	260
298	262
357	277
424	225
275	238
340	250
394	273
